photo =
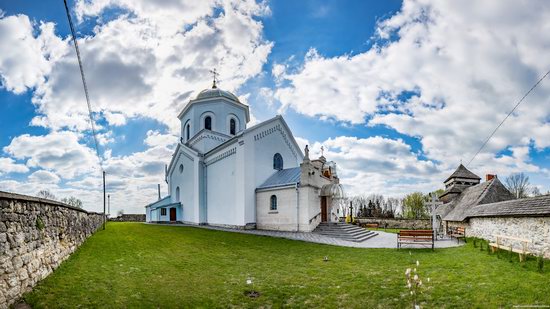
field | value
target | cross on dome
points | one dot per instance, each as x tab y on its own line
215	75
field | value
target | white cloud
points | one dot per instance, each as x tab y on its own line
115	119
145	64
465	63
44	177
155	138
8	165
27	52
59	152
378	165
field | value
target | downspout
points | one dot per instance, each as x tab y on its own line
297	207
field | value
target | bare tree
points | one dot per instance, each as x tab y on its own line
46	194
535	191
72	201
518	184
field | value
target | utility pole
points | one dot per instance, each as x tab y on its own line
104	201
109	204
159	190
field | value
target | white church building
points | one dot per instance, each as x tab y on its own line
224	173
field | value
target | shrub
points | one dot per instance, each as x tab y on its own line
540	262
40	224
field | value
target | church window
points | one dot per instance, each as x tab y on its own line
278	162
187	131
208	123
232	126
177	194
273	204
163	211
181	168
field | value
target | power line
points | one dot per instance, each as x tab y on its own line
510	113
73	32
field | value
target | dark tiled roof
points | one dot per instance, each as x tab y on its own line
484	193
281	178
452	189
463	172
531	206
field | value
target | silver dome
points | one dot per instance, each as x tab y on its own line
215	93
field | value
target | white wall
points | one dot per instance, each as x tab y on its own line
186	182
220	195
220	110
285	217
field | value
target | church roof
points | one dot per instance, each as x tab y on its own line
214	93
463	172
459	209
285	177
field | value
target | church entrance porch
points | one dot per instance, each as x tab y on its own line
324	212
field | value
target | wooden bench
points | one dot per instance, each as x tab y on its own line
458	233
371	225
415	237
523	251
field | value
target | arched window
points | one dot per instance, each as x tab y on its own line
208	123
187	131
232	126
177	194
273	204
277	162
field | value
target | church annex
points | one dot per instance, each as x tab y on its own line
224	173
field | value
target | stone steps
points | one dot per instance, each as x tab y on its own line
344	231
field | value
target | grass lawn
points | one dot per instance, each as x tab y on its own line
138	265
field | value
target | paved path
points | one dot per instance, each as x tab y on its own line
382	240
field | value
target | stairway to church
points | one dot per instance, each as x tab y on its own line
344	231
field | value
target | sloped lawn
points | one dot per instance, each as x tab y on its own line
138	265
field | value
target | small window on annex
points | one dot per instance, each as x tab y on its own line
277	162
273	204
163	211
208	123
187	131
232	126
181	168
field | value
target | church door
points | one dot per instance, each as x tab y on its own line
172	214
324	209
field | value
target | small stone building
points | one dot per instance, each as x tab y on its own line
487	209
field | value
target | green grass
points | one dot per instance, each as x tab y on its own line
137	265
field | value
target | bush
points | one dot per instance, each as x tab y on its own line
540	262
40	224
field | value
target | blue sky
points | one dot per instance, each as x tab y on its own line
398	93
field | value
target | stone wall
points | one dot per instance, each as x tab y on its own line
535	229
395	223
129	218
36	235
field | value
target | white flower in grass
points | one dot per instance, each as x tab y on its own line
417	263
249	281
428	279
408	271
415	277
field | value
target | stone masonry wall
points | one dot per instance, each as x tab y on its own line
535	229
416	224
36	235
129	218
